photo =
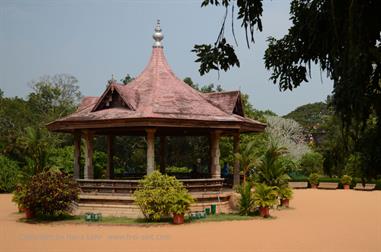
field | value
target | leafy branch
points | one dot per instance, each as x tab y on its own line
221	55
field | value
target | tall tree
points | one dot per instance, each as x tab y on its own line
287	133
221	54
54	96
342	36
127	79
310	115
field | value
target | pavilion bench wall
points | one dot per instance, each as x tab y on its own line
129	186
367	187
298	185
328	185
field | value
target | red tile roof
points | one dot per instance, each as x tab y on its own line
155	96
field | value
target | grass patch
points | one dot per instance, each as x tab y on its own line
51	219
112	220
222	217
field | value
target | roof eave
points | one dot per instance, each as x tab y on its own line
69	126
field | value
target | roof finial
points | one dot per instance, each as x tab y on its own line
112	81
158	35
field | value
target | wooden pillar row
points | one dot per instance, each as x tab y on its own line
150	150
163	160
236	149
89	168
77	154
215	154
110	157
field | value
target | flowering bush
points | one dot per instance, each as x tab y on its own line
159	195
50	193
346	180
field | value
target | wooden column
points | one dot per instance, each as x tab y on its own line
89	168
215	154
110	157
150	150
77	154
236	177
163	161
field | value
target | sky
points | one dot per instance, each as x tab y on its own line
93	39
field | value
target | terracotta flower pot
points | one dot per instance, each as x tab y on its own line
29	213
346	187
178	218
264	212
313	186
285	202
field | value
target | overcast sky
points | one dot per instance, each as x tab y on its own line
93	39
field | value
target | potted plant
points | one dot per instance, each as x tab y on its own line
18	197
346	180
285	194
314	180
180	205
24	202
265	197
49	193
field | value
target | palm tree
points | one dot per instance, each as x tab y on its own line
265	196
270	169
34	144
248	158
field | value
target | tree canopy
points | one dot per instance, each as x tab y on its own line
343	37
311	115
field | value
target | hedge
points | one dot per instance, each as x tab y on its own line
337	180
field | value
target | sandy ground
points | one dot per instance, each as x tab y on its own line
318	221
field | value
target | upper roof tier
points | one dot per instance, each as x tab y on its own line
157	98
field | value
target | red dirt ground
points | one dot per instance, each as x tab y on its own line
320	220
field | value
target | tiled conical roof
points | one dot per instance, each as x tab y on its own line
158	98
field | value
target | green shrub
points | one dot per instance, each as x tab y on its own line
371	181
175	169
311	162
158	194
246	201
19	196
314	178
285	193
296	177
181	202
100	161
346	180
378	184
9	174
265	196
62	158
50	193
289	164
353	165
271	169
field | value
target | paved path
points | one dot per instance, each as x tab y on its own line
334	221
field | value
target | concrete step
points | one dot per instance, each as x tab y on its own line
123	199
117	205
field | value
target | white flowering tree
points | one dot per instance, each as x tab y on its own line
287	133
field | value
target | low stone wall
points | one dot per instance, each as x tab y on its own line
117	205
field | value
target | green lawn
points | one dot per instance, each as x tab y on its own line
110	220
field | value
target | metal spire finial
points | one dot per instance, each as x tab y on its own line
158	35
